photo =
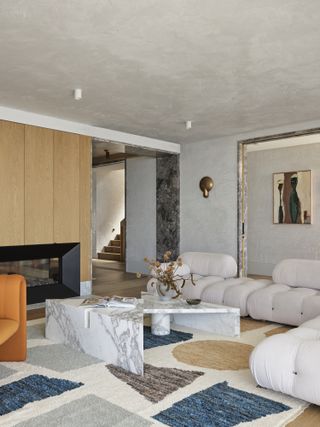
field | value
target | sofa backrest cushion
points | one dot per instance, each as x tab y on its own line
298	273
210	264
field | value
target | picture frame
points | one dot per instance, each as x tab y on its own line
292	197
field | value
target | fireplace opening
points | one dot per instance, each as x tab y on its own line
50	270
37	272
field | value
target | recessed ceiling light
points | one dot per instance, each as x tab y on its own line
188	124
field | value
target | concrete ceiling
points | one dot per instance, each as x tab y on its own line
147	66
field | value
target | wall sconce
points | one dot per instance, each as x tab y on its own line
206	185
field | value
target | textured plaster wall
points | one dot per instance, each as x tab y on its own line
211	224
140	212
108	203
269	243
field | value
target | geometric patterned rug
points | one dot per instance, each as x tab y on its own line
219	406
173	392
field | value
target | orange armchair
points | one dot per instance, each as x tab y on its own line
13	318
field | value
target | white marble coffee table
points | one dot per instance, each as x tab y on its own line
115	335
217	319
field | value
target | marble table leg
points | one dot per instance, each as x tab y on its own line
160	324
227	324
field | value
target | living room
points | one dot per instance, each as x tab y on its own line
214	316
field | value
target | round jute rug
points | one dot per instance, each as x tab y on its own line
221	355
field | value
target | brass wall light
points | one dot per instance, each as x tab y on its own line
206	185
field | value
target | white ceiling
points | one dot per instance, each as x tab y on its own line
146	66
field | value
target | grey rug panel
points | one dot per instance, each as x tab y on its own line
5	372
89	411
36	331
59	357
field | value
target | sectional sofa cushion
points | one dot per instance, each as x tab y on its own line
233	292
190	291
289	362
210	264
284	304
298	273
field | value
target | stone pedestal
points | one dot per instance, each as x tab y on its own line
160	324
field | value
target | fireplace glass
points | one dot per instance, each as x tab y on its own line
37	272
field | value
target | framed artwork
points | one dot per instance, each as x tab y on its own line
292	197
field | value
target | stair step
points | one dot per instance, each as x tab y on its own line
118	237
115	242
114	249
109	255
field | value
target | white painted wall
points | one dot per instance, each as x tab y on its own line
109	206
140	212
211	224
269	243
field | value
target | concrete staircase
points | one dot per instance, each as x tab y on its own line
112	251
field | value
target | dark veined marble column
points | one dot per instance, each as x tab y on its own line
168	205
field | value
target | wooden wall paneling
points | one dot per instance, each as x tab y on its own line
38	185
66	187
12	183
85	207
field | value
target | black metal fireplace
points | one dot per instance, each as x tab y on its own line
51	270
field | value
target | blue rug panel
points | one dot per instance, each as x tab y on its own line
151	340
17	394
219	406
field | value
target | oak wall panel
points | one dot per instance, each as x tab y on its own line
85	206
45	180
12	183
38	185
66	187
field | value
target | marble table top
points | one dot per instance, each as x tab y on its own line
150	304
130	313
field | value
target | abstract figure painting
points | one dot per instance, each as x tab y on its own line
292	197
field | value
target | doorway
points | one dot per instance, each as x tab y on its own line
264	238
108	204
128	184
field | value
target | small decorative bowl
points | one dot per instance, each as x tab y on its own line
193	301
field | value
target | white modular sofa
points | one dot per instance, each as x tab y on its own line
215	280
289	362
294	295
206	269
